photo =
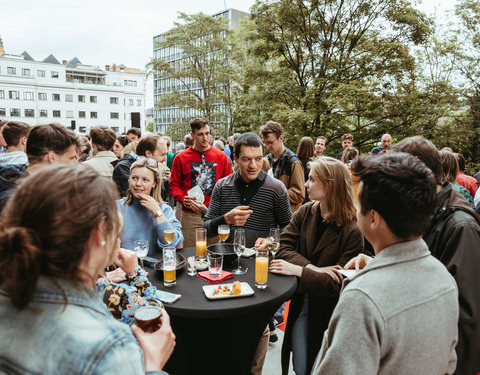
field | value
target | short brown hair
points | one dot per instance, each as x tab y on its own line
423	149
103	137
348	154
135	131
449	166
340	196
198	123
305	148
13	131
45	234
322	137
347	136
461	161
271	127
148	143
49	137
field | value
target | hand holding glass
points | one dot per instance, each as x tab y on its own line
141	248
239	247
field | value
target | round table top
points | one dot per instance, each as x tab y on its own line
194	303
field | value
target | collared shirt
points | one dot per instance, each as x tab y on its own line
247	190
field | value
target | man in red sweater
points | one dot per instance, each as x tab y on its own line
200	165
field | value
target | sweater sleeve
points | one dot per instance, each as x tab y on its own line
283	210
214	217
176	177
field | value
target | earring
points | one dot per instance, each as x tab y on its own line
103	243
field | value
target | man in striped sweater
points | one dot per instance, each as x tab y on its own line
249	198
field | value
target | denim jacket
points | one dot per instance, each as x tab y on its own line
80	337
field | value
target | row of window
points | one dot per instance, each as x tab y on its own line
16	112
28	95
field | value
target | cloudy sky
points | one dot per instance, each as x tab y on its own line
103	32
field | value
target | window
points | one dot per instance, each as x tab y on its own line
55	75
68	97
40	73
2	94
29	113
113	100
69	114
81	98
15	112
42	96
93	99
56	97
56	113
14	94
28	95
82	129
130	101
11	70
81	114
139	102
3	112
130	83
43	113
25	72
93	114
114	115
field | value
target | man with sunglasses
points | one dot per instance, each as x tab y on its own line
200	165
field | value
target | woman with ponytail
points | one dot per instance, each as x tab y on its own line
57	234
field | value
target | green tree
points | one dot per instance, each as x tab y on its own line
199	81
149	127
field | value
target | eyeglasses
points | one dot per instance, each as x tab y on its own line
269	143
151	162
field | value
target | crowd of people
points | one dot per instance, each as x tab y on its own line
405	217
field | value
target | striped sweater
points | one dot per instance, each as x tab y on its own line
270	206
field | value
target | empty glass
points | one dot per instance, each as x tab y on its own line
141	248
215	264
239	247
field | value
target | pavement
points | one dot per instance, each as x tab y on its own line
273	364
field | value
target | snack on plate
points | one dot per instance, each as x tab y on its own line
222	290
236	287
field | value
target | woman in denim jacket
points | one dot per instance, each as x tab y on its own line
58	232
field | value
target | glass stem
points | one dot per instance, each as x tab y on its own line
141	263
238	256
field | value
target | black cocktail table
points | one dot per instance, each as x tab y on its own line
220	336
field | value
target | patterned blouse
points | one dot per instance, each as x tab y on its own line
464	193
122	298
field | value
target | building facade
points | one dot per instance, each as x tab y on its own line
165	116
75	95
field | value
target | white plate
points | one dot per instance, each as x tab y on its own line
209	289
248	252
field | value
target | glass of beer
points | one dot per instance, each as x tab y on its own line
261	269
223	232
169	234
169	266
201	243
148	316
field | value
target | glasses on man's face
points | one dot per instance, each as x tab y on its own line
269	143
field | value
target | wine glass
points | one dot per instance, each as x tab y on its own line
141	248
169	233
274	244
239	247
223	232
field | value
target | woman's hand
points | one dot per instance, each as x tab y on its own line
332	271
283	267
359	262
262	243
158	346
149	203
127	260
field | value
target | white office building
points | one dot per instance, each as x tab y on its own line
70	93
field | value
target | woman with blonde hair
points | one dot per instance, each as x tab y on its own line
321	237
145	214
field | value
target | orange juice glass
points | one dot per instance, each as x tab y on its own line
201	243
261	269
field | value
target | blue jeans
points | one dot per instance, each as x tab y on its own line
299	340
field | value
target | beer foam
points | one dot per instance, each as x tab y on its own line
147	313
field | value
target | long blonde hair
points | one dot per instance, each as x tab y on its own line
341	207
156	192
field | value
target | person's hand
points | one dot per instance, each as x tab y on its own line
166	173
127	260
262	243
188	201
283	267
359	262
238	216
149	203
197	207
158	346
332	271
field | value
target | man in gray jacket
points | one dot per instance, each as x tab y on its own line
399	314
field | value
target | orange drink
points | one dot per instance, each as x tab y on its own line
169	234
201	247
169	266
169	275
223	236
261	269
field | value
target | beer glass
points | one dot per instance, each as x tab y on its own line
169	266
223	232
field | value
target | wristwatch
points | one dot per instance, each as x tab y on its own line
158	213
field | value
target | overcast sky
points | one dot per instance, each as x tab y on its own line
103	32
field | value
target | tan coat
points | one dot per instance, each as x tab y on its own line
102	163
